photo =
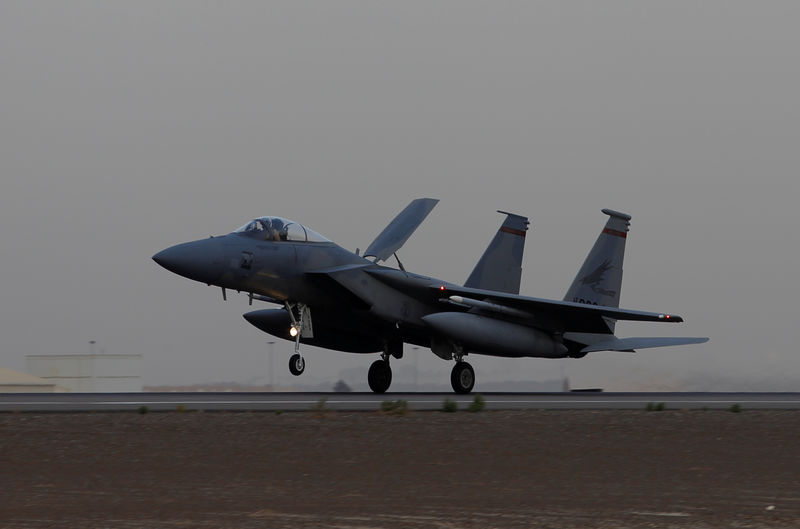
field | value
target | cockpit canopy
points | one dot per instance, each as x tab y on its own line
278	229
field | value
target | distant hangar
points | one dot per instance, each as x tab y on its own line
89	373
15	382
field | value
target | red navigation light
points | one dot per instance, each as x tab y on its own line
442	288
668	316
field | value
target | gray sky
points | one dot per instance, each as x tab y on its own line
126	127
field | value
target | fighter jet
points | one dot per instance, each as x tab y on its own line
336	299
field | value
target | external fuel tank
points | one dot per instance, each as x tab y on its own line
495	337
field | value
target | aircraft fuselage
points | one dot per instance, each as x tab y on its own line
366	302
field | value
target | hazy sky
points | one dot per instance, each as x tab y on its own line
126	127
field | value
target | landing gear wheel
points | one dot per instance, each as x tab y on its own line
380	376
462	378
297	365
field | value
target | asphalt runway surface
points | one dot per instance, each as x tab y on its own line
92	402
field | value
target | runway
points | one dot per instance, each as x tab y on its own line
119	402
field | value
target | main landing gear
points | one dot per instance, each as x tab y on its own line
380	375
462	378
380	372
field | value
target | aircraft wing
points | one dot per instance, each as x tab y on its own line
341	284
400	229
559	316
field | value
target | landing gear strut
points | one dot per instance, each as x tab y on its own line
462	378
380	375
297	363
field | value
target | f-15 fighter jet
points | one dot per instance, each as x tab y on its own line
336	299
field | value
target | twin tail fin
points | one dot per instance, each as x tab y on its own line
500	266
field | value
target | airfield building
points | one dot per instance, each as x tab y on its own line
89	373
15	382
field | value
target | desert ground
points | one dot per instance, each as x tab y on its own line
548	469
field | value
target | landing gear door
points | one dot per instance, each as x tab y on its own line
307	329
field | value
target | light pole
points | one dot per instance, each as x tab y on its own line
416	370
271	371
94	366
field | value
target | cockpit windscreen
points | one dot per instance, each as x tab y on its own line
279	229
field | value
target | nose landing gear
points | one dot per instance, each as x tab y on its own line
301	326
297	365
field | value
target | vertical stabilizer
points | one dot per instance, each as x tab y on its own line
599	280
500	266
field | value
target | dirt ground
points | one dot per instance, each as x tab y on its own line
553	469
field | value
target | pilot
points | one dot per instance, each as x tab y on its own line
277	227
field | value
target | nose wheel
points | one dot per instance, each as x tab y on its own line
297	365
462	378
380	376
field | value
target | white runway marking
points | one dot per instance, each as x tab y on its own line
371	402
664	514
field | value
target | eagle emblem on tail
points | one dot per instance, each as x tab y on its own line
594	278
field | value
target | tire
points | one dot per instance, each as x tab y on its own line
380	376
462	378
297	365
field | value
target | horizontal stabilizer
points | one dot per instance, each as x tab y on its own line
631	344
400	229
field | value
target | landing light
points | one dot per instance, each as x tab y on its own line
293	331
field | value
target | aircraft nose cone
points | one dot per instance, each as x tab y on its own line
198	260
165	258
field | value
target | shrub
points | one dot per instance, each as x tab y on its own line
478	404
321	409
321	406
736	408
394	407
142	410
449	406
341	387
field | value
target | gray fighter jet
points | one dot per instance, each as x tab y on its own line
336	299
